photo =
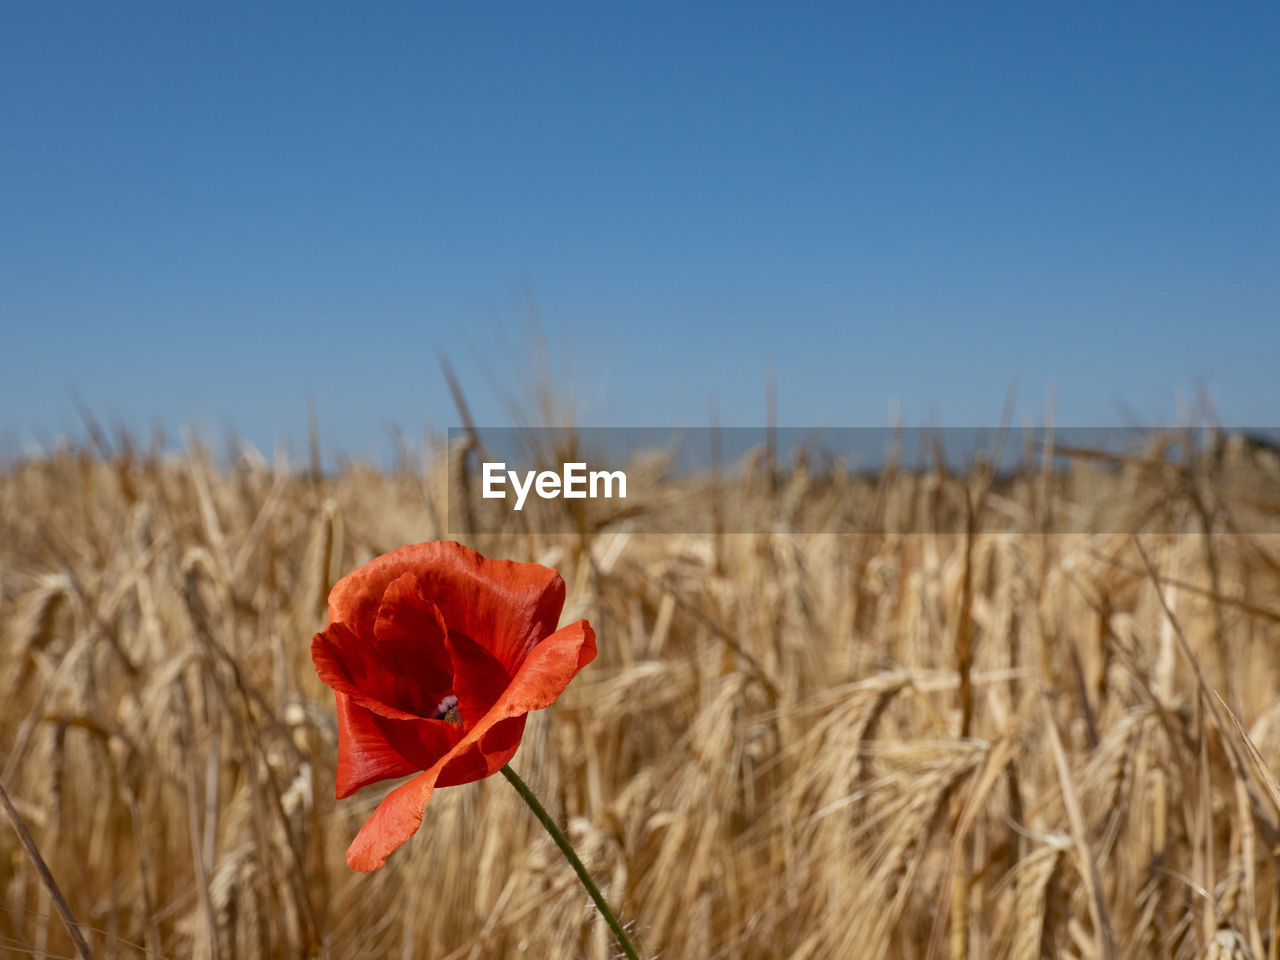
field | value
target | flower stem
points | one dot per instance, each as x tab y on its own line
562	842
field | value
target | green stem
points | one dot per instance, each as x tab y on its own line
562	842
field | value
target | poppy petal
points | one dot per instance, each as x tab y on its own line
364	755
399	815
483	750
373	748
548	668
355	599
345	663
395	820
478	678
487	756
410	642
404	671
505	606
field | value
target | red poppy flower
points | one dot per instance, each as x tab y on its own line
436	654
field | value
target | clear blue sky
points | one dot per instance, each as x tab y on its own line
208	213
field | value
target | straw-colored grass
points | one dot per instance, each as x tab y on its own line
791	745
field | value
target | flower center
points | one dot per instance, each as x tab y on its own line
447	710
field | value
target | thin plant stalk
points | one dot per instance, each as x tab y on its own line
571	855
46	876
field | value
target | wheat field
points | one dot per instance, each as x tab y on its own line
951	744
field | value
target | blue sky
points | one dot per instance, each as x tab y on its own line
210	213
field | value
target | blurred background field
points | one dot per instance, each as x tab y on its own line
949	744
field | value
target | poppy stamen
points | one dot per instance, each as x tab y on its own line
447	710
